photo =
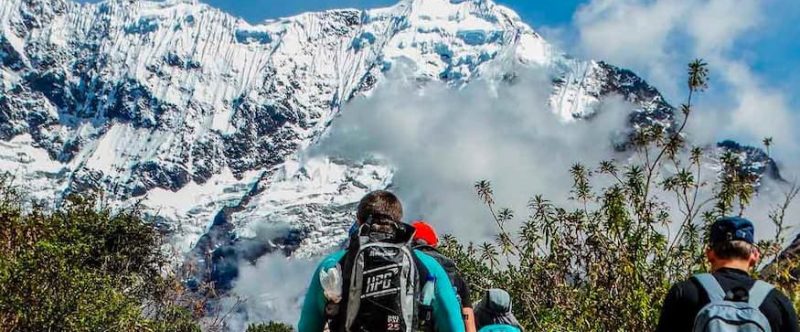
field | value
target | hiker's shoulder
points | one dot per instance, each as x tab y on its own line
423	256
685	289
779	299
332	259
433	252
426	259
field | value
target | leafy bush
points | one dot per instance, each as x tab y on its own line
269	327
606	261
82	267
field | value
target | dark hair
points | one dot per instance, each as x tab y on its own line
379	205
736	249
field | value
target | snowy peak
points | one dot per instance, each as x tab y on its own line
173	69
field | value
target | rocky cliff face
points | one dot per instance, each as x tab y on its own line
199	114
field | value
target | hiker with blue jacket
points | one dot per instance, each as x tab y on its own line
379	283
728	298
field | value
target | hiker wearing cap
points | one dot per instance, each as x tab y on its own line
493	312
379	283
728	299
426	240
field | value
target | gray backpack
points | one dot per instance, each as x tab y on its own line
381	276
723	314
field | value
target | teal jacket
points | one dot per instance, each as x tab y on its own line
499	328
446	310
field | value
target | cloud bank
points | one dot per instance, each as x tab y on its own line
441	140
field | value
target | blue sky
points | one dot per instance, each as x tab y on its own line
543	12
540	12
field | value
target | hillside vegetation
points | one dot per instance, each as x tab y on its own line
80	267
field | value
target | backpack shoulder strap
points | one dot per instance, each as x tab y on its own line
435	254
336	320
711	286
422	270
759	293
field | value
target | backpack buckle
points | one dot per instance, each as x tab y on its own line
737	295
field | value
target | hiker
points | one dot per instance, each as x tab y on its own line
493	313
728	299
379	283
426	240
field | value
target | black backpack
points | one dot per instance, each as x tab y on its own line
382	280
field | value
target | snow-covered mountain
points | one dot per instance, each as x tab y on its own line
201	115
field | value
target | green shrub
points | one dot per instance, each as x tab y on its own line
604	262
269	327
82	267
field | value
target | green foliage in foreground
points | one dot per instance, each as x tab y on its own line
82	268
269	327
605	259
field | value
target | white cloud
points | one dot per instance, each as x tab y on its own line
760	111
442	140
716	24
650	33
272	289
633	34
657	38
626	31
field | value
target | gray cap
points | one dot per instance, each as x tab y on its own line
495	308
497	300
